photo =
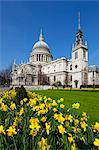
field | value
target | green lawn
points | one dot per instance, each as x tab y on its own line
89	100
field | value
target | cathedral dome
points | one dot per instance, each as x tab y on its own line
40	44
41	51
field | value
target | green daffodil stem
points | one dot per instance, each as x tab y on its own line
14	144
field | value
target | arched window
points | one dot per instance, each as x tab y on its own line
84	54
22	71
37	57
70	67
48	79
71	78
42	57
54	78
76	66
76	55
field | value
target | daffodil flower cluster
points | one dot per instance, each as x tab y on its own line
43	123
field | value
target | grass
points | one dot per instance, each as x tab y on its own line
89	100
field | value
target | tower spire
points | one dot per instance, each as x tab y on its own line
41	36
79	27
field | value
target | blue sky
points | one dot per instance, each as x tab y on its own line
20	23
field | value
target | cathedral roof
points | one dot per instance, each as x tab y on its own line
41	43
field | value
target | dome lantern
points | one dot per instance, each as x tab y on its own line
41	36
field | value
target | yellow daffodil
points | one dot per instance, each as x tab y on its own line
96	142
41	106
61	99
2	130
76	105
34	120
43	119
59	117
4	107
70	138
21	102
73	147
34	124
54	103
84	114
25	99
12	106
70	118
83	119
61	129
76	121
54	109
62	106
58	101
55	116
14	124
43	144
1	100
96	126
21	111
37	127
50	99
33	133
48	127
83	125
11	131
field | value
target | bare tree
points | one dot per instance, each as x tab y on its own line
5	76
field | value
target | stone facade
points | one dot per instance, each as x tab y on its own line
42	69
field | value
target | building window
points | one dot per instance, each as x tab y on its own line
46	57
37	57
76	66
32	79
70	78
22	71
76	55
93	74
70	67
54	78
48	79
33	57
42	57
84	54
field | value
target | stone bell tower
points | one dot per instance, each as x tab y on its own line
79	59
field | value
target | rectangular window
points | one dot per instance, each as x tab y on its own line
76	55
70	78
54	78
70	67
48	79
84	54
37	57
32	79
42	57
